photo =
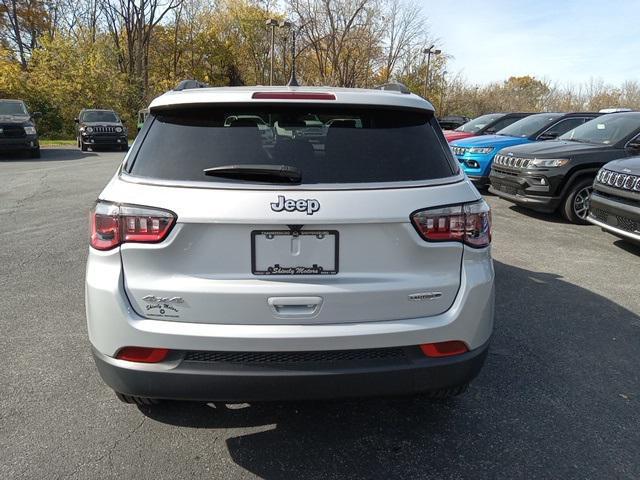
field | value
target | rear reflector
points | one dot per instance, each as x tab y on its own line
469	223
142	354
112	225
444	349
293	96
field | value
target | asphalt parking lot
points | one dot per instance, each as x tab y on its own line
559	396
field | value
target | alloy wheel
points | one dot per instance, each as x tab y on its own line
581	202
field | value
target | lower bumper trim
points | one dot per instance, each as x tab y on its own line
203	381
542	204
614	230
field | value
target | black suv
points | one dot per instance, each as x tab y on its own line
615	200
559	174
100	128
18	128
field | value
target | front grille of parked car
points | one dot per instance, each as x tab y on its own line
510	161
627	224
621	222
599	214
458	150
328	356
12	131
618	180
105	129
505	172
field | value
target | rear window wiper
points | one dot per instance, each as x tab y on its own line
257	172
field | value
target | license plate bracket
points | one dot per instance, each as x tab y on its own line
294	252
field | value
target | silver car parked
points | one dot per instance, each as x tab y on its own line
225	267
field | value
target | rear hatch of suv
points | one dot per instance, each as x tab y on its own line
289	227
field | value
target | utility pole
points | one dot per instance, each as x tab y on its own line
427	53
444	85
273	23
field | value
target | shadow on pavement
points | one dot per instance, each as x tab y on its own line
628	246
47	154
558	398
553	217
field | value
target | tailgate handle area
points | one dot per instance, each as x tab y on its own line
295	306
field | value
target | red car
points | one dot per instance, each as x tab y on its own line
484	125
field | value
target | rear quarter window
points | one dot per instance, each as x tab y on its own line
328	145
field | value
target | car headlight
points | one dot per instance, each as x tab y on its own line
482	150
119	129
30	130
88	129
547	162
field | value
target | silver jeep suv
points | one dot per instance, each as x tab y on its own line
346	255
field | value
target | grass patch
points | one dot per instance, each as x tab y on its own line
50	142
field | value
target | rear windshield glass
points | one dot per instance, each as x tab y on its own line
327	145
477	123
99	116
529	125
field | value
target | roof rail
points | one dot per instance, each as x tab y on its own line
394	87
188	85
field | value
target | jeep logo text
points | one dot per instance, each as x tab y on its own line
310	206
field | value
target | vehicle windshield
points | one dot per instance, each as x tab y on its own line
326	145
605	130
12	108
99	116
479	123
529	125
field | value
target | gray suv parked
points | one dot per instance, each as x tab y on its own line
351	260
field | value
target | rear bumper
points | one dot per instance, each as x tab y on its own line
180	379
113	324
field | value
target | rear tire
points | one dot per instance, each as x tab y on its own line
575	206
444	393
132	399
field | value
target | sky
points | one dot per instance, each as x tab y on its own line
564	41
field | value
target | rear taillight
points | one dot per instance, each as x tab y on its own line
469	223
113	225
142	354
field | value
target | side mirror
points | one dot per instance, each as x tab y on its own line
634	145
36	114
547	136
76	120
490	131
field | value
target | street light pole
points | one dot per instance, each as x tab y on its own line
273	23
428	52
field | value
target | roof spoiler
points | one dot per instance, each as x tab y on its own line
188	85
393	87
